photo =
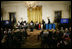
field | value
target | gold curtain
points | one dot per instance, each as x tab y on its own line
34	14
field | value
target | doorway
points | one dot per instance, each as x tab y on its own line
12	18
58	15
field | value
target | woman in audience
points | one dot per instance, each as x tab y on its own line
5	31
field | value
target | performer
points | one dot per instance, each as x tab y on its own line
48	20
18	23
39	26
36	25
25	25
43	22
31	25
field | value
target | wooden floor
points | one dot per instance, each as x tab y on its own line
31	41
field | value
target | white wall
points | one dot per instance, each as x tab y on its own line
48	8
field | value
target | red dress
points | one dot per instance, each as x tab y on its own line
39	26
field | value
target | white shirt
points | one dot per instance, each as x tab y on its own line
31	23
24	23
18	24
41	25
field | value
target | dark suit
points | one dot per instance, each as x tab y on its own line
48	21
43	22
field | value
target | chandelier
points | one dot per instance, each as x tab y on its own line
31	4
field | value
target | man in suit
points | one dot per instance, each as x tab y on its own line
48	20
31	26
43	22
36	25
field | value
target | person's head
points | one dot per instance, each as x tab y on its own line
18	21
66	29
57	31
42	19
5	29
12	29
24	21
31	20
9	29
23	29
70	28
1	28
48	17
61	28
5	32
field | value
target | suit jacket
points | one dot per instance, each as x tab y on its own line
48	21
